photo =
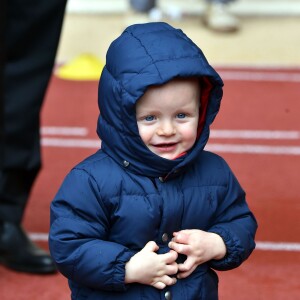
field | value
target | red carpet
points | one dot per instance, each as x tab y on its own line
254	99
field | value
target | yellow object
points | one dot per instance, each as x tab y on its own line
83	67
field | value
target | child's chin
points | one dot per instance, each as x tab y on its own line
167	156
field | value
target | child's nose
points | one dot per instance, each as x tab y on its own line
166	128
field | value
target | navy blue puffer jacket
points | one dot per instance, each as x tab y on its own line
111	204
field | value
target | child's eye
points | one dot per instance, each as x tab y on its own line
181	116
149	118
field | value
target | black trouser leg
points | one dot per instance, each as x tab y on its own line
15	186
32	30
2	59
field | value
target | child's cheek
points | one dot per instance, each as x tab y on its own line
146	133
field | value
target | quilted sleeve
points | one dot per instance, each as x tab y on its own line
78	236
235	223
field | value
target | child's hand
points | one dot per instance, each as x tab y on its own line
148	267
199	247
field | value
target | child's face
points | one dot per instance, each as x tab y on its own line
168	115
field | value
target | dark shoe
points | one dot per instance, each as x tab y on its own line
19	253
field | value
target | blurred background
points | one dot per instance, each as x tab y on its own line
268	34
260	65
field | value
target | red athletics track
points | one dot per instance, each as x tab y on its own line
262	145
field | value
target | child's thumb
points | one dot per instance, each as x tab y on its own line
151	246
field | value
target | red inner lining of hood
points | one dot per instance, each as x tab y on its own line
206	87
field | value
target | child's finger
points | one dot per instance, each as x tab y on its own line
159	285
167	280
181	237
186	269
151	247
170	257
187	265
164	281
179	248
172	269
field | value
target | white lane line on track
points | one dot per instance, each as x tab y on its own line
260	76
70	143
255	134
64	130
222	148
253	149
277	246
265	246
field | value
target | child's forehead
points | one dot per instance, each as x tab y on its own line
189	84
176	84
179	91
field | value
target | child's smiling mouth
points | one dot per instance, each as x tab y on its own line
165	147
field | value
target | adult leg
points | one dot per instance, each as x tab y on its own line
2	22
32	31
218	18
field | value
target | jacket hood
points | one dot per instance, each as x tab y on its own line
145	55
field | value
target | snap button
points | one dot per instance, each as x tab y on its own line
168	295
165	237
125	163
161	179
